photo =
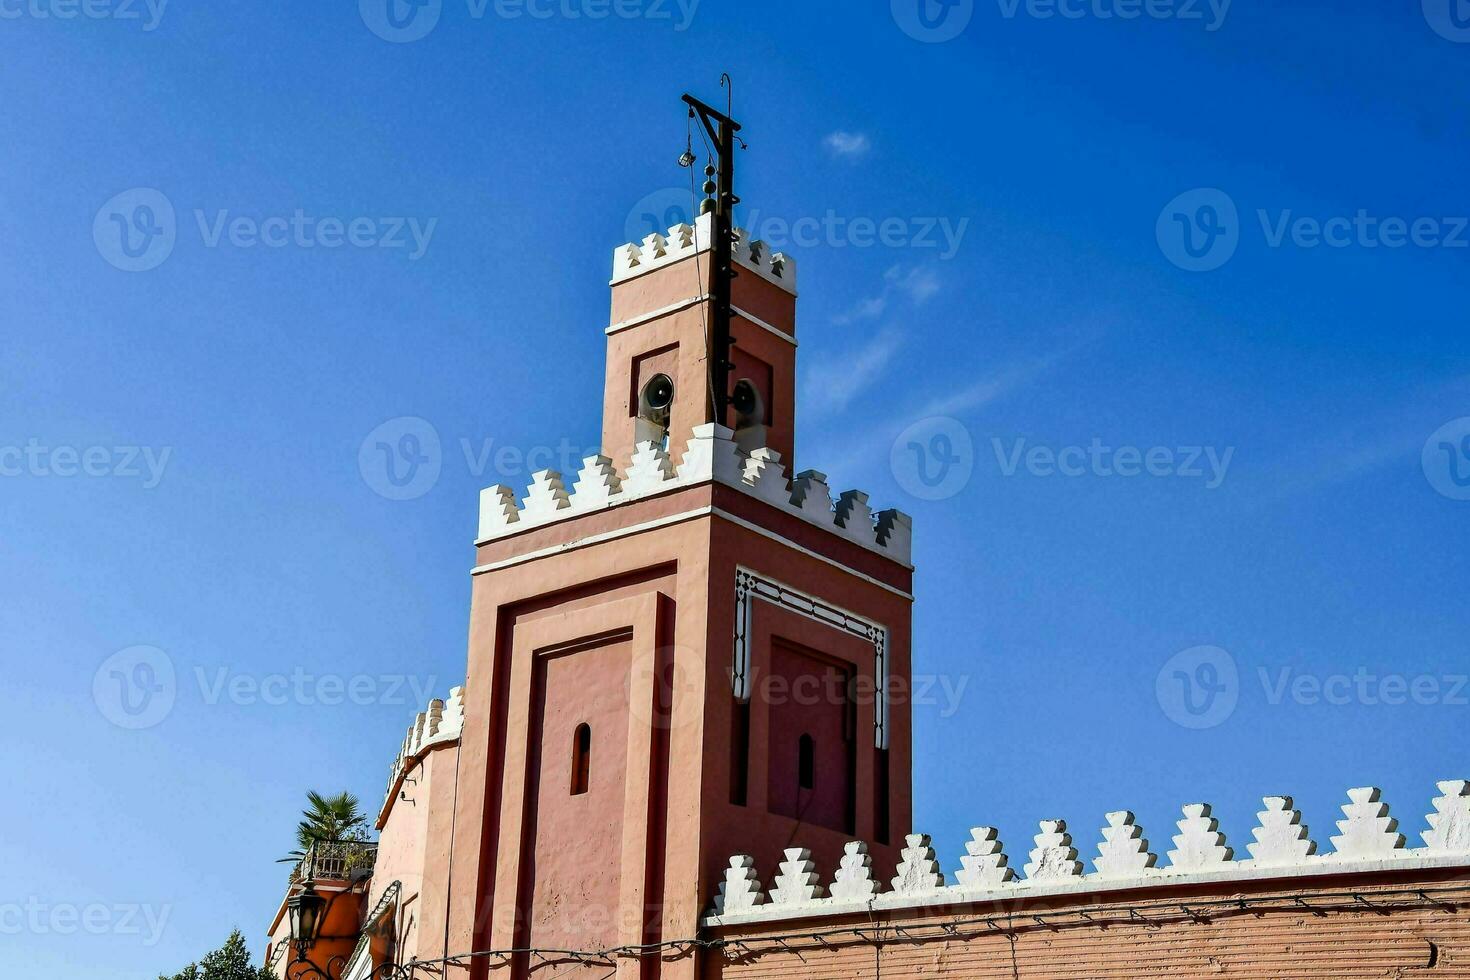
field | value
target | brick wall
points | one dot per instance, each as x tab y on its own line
1336	927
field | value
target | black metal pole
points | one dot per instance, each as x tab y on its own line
722	130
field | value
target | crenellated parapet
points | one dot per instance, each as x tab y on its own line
1368	841
711	455
441	723
683	241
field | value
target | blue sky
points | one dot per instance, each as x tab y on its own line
1085	167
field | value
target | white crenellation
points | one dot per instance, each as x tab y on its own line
498	511
918	870
1199	843
628	257
1283	850
439	724
683	241
451	723
650	471
895	531
741	890
1124	849
546	498
710	455
1053	856
811	495
656	247
597	484
985	864
1281	838
1449	824
1367	830
774	266
855	517
765	477
854	881
797	880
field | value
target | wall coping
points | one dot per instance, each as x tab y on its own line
711	455
684	240
440	724
1368	842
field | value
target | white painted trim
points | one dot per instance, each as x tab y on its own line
624	532
648	269
359	964
750	584
765	532
592	539
700	244
763	325
711	455
683	304
1085	885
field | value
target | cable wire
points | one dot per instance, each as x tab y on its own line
873	932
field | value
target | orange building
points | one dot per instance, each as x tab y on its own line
687	682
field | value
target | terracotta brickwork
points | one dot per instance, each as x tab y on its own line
1378	926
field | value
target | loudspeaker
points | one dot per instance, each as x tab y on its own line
746	401
655	399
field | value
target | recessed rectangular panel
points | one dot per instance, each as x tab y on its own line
809	769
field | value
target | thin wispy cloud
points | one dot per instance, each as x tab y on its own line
916	284
868	309
847	145
919	283
829	389
832	386
845	455
988	389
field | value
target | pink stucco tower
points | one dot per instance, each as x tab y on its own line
678	653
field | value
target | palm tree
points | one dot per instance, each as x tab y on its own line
327	819
330	818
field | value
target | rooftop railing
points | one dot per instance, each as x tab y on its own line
340	860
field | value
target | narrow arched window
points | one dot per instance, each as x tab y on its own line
581	758
806	763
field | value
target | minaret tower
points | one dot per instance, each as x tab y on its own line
680	652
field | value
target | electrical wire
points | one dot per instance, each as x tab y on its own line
695	203
709	381
750	947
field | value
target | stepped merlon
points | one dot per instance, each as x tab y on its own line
684	241
1283	850
711	455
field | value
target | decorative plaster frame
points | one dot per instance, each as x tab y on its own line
751	585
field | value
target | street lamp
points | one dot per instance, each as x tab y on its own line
305	910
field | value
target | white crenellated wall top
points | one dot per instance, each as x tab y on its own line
439	724
682	241
1368	840
712	455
